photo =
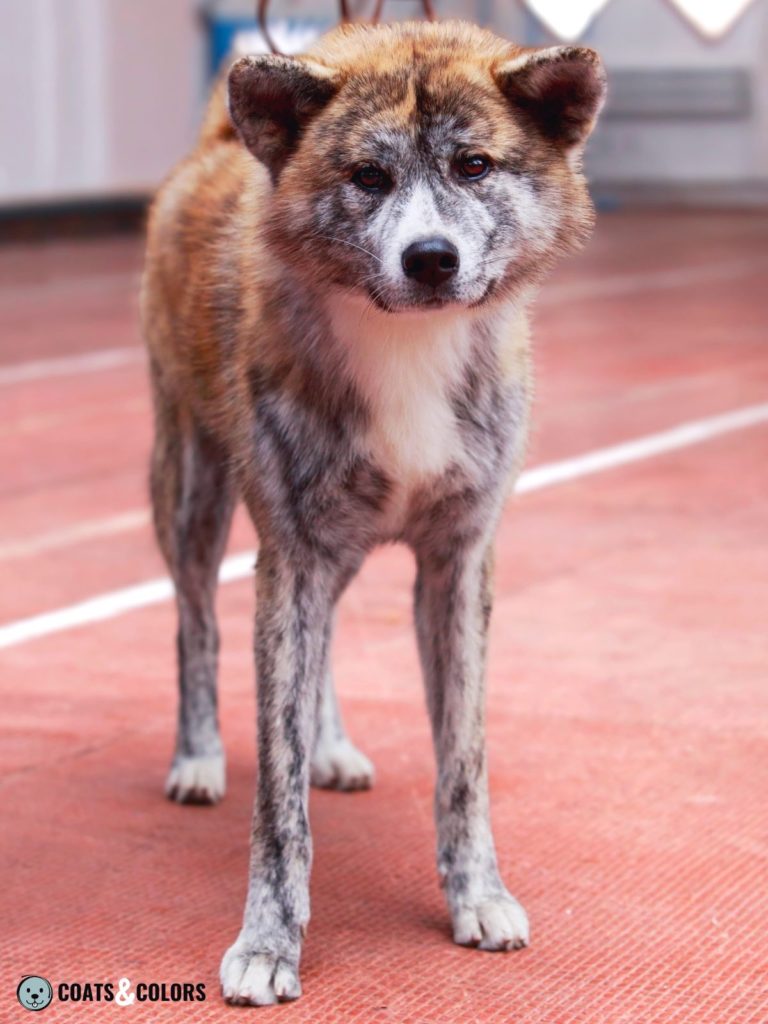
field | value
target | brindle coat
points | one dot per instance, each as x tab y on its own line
296	365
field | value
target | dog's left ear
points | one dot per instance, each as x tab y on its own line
561	88
272	99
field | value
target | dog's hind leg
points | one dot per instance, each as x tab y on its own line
336	761
193	498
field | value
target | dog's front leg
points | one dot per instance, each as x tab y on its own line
452	610
294	607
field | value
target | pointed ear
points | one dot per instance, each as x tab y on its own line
561	88
272	99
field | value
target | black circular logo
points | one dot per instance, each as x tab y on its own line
34	992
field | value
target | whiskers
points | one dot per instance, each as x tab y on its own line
376	293
354	245
376	301
495	261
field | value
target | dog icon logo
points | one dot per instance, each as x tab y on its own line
34	992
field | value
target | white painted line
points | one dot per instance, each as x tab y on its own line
113	603
646	447
82	531
608	286
616	285
87	362
117	602
70	287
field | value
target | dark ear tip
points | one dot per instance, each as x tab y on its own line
252	74
586	55
244	67
277	68
583	56
239	73
250	64
531	61
583	53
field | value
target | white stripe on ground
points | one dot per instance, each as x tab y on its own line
70	286
553	295
114	603
650	281
67	366
79	532
646	447
236	567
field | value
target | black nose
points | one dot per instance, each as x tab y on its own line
431	261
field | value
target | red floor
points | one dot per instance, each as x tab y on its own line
628	716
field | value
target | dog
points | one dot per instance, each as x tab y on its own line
334	303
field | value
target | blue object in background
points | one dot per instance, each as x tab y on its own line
291	35
221	36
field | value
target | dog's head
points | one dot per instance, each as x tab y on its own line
422	164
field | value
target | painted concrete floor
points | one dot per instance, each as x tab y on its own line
628	705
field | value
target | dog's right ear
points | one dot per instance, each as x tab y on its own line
272	99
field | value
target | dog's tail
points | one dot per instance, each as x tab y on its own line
217	125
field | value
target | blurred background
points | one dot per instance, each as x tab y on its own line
102	96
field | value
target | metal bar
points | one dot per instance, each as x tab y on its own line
261	13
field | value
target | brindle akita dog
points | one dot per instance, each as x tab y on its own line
338	336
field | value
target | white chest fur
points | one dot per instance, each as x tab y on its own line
407	367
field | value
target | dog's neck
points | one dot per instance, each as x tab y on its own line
408	368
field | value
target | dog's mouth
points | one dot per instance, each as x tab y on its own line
431	303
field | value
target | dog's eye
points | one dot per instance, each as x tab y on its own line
370	178
473	166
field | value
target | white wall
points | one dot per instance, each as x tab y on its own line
99	96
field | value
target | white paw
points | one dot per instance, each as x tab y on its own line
340	765
257	979
498	923
196	780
